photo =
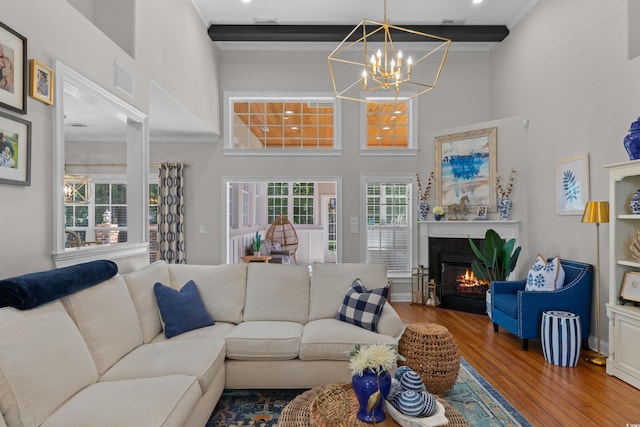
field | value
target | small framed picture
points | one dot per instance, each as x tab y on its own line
572	185
630	289
15	150
482	212
41	87
13	70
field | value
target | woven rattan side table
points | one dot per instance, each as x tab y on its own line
298	413
432	352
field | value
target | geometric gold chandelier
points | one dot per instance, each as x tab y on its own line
368	60
76	189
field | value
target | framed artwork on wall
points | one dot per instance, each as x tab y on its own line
15	150
630	289
13	70
41	86
572	185
466	166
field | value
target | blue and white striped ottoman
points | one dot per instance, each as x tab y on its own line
561	337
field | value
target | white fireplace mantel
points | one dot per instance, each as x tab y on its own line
461	230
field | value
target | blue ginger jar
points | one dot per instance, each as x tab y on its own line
634	203
632	141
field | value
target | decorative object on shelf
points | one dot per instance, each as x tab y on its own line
423	197
632	141
459	210
431	296
596	213
630	289
572	185
370	366
504	208
256	244
460	173
388	69
497	259
481	213
438	212
634	203
634	247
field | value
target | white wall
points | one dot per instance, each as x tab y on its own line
179	58
565	66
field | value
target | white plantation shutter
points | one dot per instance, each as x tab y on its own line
388	237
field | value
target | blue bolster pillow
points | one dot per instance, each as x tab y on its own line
34	289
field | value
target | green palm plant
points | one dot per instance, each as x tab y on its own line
497	259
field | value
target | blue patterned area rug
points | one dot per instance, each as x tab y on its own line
477	400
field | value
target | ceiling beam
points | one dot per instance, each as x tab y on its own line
337	33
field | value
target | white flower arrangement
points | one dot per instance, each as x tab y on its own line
374	357
438	210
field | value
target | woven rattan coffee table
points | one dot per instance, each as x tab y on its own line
298	412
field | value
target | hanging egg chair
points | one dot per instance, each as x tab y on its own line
281	231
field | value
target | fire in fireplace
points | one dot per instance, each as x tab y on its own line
460	289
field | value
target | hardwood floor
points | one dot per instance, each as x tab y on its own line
546	394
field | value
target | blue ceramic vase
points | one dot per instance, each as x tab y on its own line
504	208
423	211
364	386
632	141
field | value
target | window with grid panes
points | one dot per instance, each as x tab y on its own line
388	124
303	202
388	237
277	123
244	199
277	200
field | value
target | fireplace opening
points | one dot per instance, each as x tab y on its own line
450	266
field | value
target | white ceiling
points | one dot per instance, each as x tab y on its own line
419	12
169	120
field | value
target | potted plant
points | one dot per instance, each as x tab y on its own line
438	212
496	261
256	244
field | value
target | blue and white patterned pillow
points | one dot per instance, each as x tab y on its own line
545	276
361	307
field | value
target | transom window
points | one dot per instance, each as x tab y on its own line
281	123
388	125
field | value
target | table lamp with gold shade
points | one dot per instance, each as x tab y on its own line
597	213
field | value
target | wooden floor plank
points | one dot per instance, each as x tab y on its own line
546	394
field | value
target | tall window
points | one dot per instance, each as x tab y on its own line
303	201
276	123
388	236
388	125
244	199
277	200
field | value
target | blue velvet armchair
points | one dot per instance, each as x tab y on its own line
520	311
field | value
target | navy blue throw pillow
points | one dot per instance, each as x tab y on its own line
182	310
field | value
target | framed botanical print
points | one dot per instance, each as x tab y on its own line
15	150
572	185
13	70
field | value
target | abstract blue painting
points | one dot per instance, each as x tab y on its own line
465	166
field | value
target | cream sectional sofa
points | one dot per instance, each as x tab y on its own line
99	357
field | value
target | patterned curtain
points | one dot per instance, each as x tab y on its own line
171	246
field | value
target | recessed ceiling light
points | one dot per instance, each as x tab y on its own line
386	128
249	1
288	112
398	112
265	129
474	1
295	127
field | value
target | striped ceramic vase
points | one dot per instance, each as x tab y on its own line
561	337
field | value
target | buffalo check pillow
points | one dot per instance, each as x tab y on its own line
362	307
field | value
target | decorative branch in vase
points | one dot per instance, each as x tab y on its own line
504	202
423	196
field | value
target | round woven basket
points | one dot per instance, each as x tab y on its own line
431	351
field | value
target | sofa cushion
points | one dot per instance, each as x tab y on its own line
107	319
215	332
167	402
140	283
43	362
229	280
329	283
545	275
201	358
264	340
182	310
362	307
332	339
277	292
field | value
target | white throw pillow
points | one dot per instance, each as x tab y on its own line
545	276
